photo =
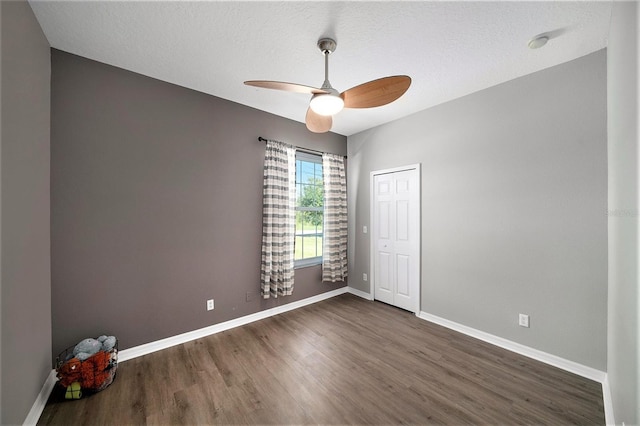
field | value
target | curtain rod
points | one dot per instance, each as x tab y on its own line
313	151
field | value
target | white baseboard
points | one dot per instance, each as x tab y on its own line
556	361
147	348
608	402
359	293
41	400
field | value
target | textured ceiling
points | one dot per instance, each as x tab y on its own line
449	49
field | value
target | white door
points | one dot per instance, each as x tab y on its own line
396	238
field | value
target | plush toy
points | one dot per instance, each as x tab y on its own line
70	372
109	343
90	366
93	370
86	348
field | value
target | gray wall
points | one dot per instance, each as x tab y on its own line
514	195
24	200
157	205
623	97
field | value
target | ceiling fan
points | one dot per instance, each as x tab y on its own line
327	101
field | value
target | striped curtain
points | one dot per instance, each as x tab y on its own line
334	246
278	220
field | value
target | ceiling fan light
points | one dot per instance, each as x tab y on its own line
326	104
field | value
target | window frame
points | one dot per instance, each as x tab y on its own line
309	158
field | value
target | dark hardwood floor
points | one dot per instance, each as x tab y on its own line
341	361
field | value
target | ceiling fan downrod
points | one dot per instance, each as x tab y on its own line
330	102
327	46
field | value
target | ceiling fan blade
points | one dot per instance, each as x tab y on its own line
287	87
318	123
377	92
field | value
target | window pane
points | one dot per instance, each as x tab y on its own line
298	193
312	246
308	234
309	211
307	172
311	196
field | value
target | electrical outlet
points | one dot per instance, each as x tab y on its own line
210	305
364	229
364	277
523	320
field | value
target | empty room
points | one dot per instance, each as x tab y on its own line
332	212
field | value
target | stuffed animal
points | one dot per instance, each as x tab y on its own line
86	348
70	372
108	343
93	370
90	366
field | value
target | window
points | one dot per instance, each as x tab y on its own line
309	209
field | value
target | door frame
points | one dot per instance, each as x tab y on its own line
417	167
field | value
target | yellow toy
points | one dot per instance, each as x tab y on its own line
74	391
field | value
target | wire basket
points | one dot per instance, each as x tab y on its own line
83	377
